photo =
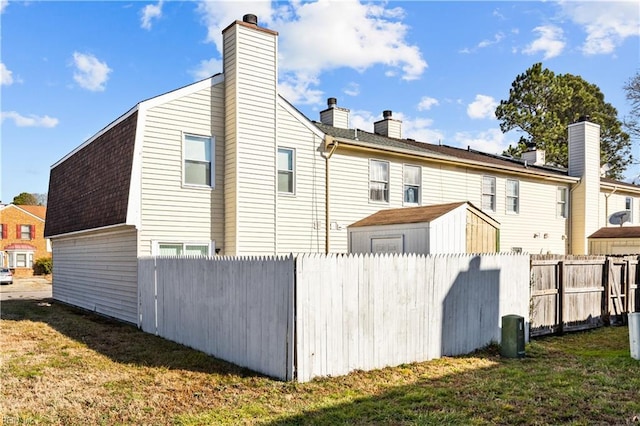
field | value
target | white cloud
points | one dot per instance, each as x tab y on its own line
30	121
491	141
3	5
352	89
550	42
90	73
607	24
345	34
496	39
149	13
207	68
6	76
426	103
483	107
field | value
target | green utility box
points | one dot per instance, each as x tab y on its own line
512	345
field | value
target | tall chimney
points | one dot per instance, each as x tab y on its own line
250	103
584	163
388	126
334	115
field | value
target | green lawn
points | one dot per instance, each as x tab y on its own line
64	366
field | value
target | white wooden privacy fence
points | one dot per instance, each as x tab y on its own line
319	315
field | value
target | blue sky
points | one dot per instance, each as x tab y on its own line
70	68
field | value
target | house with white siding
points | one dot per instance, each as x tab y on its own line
227	166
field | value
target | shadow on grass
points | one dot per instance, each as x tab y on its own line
551	385
121	342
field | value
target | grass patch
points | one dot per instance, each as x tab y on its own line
65	366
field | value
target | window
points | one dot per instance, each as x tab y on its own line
628	205
24	232
561	203
183	249
198	168
513	196
20	259
379	181
488	193
412	184
285	170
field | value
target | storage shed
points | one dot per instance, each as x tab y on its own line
443	228
615	240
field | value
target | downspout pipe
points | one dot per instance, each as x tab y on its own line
330	146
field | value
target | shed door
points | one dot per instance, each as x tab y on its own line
387	244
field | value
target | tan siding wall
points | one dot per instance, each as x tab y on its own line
349	176
98	272
170	211
301	216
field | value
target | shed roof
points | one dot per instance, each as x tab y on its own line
407	215
617	232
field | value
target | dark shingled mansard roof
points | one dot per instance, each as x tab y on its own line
90	189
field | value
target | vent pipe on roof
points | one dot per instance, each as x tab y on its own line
332	102
250	19
386	114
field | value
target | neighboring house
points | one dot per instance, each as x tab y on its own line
227	166
23	239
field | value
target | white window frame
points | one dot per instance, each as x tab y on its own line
386	190
408	185
510	207
212	155
628	205
291	173
489	194
13	259
22	232
155	246
562	210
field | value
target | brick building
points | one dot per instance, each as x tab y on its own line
22	238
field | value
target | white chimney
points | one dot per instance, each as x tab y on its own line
584	163
250	103
535	157
334	115
388	126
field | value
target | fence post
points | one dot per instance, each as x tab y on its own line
606	271
561	275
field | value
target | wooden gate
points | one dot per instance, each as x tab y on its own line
570	293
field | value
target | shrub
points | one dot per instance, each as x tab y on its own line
43	266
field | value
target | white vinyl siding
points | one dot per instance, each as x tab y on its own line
301	219
412	184
489	193
98	272
379	181
169	210
513	196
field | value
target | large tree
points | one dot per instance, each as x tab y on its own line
542	104
25	199
632	122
